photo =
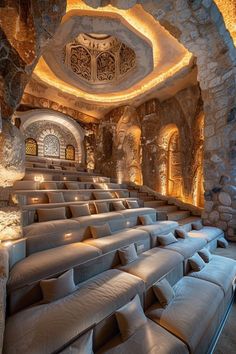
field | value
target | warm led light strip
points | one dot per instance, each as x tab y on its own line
137	20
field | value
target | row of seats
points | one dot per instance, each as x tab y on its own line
80	266
71	185
45	197
51	247
180	314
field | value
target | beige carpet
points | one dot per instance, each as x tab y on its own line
227	340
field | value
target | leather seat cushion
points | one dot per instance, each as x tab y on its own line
187	247
153	264
191	311
220	271
47	263
207	233
45	328
119	239
150	338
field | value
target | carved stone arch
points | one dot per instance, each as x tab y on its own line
55	118
169	165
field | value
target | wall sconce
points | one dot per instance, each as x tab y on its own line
64	178
68	236
35	200
76	198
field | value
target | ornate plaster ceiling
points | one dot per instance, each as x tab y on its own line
159	57
95	64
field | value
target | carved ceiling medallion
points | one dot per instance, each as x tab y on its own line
98	58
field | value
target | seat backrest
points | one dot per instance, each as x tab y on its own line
4	273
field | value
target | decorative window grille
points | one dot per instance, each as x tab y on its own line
51	146
31	147
70	152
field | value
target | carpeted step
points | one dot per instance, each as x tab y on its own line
167	208
133	194
154	203
189	220
178	215
146	198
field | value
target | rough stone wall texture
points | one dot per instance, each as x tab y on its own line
25	29
133	144
200	27
11	154
118	145
159	122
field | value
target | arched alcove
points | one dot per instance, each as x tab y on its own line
174	173
39	123
170	168
70	152
31	147
51	146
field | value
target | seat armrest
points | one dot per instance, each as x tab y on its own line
16	250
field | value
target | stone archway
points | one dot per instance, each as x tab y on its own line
196	24
55	120
127	146
170	169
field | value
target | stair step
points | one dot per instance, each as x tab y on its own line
167	208
142	194
133	194
178	215
189	220
154	203
146	198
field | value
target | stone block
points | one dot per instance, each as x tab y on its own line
224	198
226	217
214	216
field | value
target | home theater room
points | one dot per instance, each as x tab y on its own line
117	176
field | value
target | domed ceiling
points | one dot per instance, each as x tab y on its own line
105	57
98	60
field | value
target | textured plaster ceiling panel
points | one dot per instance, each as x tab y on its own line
170	58
74	26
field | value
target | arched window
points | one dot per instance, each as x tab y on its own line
70	152
31	147
51	146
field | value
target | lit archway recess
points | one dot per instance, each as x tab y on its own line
196	24
37	115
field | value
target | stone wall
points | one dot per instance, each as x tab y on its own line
118	145
173	169
133	145
200	27
25	30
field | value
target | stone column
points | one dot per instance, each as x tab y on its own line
12	161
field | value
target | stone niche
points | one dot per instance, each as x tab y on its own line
172	146
52	134
118	148
159	144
